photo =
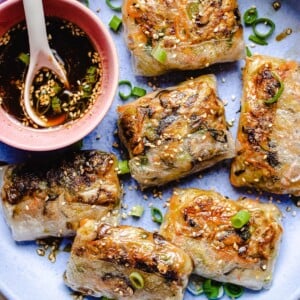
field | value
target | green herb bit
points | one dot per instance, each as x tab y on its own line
240	219
192	9
268	23
123	167
137	211
248	52
138	92
56	105
257	40
136	280
128	84
113	7
156	214
87	3
279	92
159	54
24	57
115	23
250	16
213	289
233	291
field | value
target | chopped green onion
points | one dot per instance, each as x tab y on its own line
257	40
195	285
23	57
250	15
212	289
159	54
233	291
138	92
267	22
115	8
240	219
123	167
192	9
137	211
136	280
248	52
156	215
87	3
122	95
115	23
279	92
56	105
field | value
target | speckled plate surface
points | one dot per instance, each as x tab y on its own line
25	275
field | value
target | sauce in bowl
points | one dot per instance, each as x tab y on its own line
49	97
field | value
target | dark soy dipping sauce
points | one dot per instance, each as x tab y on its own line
81	61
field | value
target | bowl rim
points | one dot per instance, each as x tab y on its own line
15	134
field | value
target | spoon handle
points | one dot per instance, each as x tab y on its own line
35	21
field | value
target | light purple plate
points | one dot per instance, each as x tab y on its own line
26	276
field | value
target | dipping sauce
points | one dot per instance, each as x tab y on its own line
49	97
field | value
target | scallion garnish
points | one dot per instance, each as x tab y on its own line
257	40
233	291
115	8
250	16
279	92
123	167
138	92
128	84
136	280
268	23
137	211
159	54
240	219
156	214
213	289
56	105
23	57
115	23
248	52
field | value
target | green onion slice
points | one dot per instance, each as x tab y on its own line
233	291
56	105
137	211
279	92
23	57
115	23
257	40
138	92
248	52
195	285
136	280
123	167
268	23
159	54
115	8
240	219
213	289
127	83
156	215
250	15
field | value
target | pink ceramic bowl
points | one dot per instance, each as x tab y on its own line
12	132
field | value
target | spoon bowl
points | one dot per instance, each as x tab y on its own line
41	57
18	134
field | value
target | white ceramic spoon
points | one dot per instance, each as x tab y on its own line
41	56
